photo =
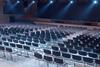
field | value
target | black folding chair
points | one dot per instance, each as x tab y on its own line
38	57
48	59
58	61
10	51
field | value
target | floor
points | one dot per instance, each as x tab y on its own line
36	63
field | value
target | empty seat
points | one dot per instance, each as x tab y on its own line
15	41
38	55
18	38
69	46
63	49
97	61
48	58
32	34
2	48
86	59
10	40
82	53
19	46
26	47
34	44
92	55
75	57
47	51
28	43
42	42
21	42
66	55
6	43
0	42
58	61
87	49
4	39
36	40
96	51
29	39
73	51
12	37
60	45
56	53
47	39
23	38
78	48
12	45
8	49
55	48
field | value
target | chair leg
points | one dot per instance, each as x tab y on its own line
57	65
11	57
28	55
1	54
74	64
37	61
84	65
47	64
95	65
4	55
66	65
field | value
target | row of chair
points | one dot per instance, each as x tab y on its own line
46	43
61	61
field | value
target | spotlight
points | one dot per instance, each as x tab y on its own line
18	1
33	2
95	2
71	1
51	2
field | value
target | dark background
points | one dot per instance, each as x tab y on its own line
75	12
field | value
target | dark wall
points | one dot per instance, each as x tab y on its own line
21	11
77	11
